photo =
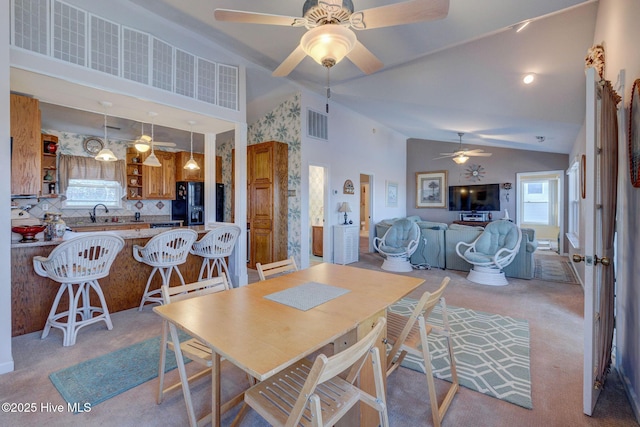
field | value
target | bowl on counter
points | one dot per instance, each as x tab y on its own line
28	232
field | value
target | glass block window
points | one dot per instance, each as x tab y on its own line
206	81
105	46
69	34
135	56
30	25
162	65
228	86
185	73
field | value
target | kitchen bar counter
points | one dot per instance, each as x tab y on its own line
33	295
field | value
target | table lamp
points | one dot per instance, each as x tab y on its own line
344	207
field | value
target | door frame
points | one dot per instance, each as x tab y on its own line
560	196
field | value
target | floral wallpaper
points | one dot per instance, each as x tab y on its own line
224	146
71	144
283	124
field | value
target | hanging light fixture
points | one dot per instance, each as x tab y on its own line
191	164
142	144
152	160
105	155
462	157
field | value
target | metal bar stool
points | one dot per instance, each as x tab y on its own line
164	252
214	247
80	261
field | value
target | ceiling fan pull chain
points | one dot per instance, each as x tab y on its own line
328	88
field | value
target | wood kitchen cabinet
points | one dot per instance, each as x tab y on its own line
317	240
159	182
267	192
182	174
26	146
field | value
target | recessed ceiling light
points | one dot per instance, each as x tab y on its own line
529	78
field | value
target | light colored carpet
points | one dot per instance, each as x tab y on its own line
491	351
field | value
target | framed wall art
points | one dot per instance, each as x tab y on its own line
431	189
392	195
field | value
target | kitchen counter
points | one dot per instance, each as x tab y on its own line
136	233
33	295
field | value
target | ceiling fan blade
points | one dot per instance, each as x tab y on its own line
444	157
290	63
364	59
400	13
450	154
254	18
479	154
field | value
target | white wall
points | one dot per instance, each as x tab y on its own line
6	361
617	29
356	145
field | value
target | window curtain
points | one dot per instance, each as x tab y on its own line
609	184
79	167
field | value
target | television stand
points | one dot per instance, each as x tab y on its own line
472	223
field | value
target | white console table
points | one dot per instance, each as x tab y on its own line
346	242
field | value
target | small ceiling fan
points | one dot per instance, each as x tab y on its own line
143	143
463	154
329	37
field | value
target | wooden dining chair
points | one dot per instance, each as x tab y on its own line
191	348
277	267
411	336
313	394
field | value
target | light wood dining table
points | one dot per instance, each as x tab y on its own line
262	337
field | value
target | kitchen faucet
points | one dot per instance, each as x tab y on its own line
93	215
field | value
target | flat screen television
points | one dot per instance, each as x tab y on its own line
474	197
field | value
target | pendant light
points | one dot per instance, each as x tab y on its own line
152	160
106	155
191	164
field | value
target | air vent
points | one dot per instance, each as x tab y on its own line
317	125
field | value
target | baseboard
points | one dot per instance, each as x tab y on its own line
631	394
7	366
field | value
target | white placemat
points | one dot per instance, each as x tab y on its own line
307	295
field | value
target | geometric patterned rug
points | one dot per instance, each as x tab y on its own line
491	351
554	269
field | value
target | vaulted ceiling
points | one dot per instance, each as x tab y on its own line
459	74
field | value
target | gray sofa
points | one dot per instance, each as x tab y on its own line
440	250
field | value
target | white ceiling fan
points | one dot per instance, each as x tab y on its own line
463	154
330	22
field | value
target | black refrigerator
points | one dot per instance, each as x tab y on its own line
188	206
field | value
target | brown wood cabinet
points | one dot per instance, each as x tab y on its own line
183	174
49	176
267	192
159	182
26	146
134	174
317	247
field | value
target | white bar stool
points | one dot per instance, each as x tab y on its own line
164	252
213	248
80	261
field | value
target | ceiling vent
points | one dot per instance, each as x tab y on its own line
317	125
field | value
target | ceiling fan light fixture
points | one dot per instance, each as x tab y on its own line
460	159
529	78
328	44
142	147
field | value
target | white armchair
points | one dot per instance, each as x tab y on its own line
493	250
398	244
